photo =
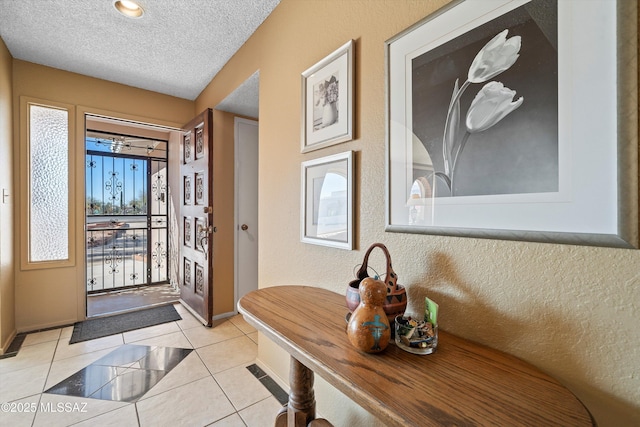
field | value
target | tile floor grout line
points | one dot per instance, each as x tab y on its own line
33	422
253	404
219	342
237	411
223	392
97	415
53	357
135	408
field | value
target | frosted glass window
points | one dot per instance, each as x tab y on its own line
49	184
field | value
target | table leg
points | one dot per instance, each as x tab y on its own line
302	403
281	418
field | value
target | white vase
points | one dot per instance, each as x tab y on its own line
329	114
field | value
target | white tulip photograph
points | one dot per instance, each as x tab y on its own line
485	108
506	119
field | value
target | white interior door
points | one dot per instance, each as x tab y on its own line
246	177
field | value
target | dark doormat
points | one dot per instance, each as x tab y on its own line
111	325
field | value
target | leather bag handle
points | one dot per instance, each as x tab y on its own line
391	279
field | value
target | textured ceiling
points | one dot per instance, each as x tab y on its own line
176	48
243	100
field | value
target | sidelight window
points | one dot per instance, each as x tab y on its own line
48	185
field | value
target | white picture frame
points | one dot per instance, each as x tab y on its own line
592	196
327	201
327	100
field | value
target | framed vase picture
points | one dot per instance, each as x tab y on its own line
327	201
509	119
327	100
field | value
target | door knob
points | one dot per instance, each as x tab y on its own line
244	227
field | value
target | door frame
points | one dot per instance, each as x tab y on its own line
80	132
236	263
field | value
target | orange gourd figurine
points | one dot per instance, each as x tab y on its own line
368	329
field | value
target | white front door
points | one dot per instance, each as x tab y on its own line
246	171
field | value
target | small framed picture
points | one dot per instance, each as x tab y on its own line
327	100
327	201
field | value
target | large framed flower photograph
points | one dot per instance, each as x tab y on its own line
327	201
327	100
509	119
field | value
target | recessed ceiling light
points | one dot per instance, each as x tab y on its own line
128	8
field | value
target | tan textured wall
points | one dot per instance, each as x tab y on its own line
570	310
53	297
7	259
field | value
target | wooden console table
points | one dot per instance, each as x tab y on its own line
462	383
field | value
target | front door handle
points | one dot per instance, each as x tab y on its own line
203	235
244	227
204	246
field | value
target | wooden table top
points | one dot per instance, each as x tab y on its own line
462	383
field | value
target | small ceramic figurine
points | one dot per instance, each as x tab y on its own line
368	329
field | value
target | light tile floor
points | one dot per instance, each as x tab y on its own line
210	387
